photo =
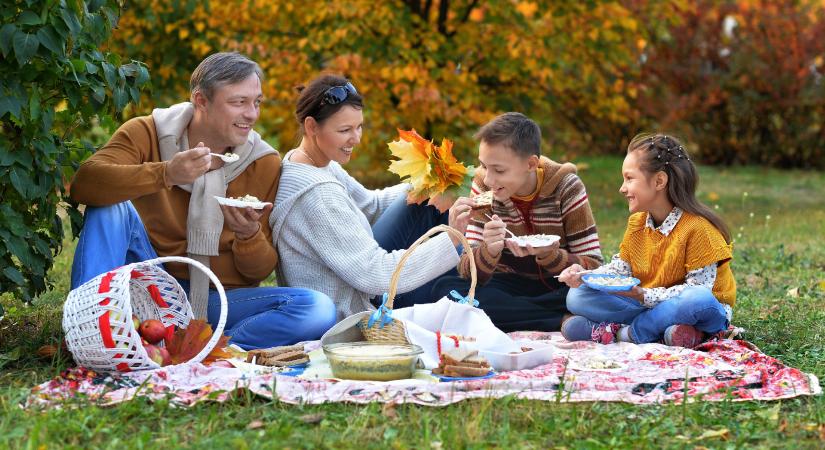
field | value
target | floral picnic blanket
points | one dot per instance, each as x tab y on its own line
580	371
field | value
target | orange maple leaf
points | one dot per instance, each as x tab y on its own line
188	342
433	171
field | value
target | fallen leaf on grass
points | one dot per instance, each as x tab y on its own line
783	425
312	418
793	293
388	410
754	281
821	285
822	432
46	351
254	425
722	433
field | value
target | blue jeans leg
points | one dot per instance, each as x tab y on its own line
600	306
262	317
695	306
397	228
111	237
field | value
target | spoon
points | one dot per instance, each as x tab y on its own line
505	228
226	158
577	273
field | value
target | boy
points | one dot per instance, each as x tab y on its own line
531	195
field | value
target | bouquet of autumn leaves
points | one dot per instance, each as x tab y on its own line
432	170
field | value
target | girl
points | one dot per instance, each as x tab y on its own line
676	246
338	237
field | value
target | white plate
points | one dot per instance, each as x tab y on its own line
241	204
544	243
592	365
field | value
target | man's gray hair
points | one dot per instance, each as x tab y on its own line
220	69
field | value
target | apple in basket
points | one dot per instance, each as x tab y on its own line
152	330
158	354
136	322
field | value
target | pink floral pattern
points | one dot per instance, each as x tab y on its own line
641	374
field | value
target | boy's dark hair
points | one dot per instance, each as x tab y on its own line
663	153
311	99
220	69
513	130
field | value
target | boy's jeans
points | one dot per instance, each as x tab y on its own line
695	306
258	317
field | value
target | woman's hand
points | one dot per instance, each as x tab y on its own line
571	276
460	212
494	234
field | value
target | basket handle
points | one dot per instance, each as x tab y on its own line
216	335
424	238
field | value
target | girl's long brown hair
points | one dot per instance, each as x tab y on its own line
662	153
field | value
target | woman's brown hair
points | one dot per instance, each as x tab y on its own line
311	99
662	153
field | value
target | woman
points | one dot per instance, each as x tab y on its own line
338	237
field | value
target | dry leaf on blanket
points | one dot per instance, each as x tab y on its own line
187	342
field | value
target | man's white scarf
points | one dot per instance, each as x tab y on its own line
204	222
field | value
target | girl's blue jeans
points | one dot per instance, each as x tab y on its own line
695	306
258	317
398	227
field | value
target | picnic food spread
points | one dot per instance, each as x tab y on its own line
288	355
372	361
462	363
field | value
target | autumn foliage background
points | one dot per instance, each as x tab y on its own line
741	81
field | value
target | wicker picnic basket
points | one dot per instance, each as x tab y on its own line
97	316
394	331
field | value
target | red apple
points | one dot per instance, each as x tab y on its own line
154	354
167	358
152	330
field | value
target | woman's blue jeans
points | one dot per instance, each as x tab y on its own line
398	227
258	317
695	306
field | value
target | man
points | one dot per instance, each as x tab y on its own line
149	192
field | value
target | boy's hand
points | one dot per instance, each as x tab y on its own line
460	213
529	250
571	277
494	234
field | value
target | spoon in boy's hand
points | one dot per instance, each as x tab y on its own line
505	228
577	273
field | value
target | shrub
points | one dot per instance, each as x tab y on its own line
742	81
55	83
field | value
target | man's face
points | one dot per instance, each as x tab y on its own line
232	111
507	173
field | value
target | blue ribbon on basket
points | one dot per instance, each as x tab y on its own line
383	314
460	299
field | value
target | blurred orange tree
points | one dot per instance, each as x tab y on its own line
443	67
742	80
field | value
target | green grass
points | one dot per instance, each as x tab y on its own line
772	257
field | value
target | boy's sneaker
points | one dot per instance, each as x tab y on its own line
577	328
681	335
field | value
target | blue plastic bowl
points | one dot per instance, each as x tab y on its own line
589	277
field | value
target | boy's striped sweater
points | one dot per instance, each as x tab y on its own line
561	208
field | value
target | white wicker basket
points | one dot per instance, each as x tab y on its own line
97	316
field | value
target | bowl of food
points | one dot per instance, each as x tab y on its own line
609	282
535	240
372	360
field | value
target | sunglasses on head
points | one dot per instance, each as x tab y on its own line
338	94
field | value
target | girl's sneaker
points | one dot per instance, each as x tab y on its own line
681	335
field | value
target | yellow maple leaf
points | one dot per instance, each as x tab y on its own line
412	166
